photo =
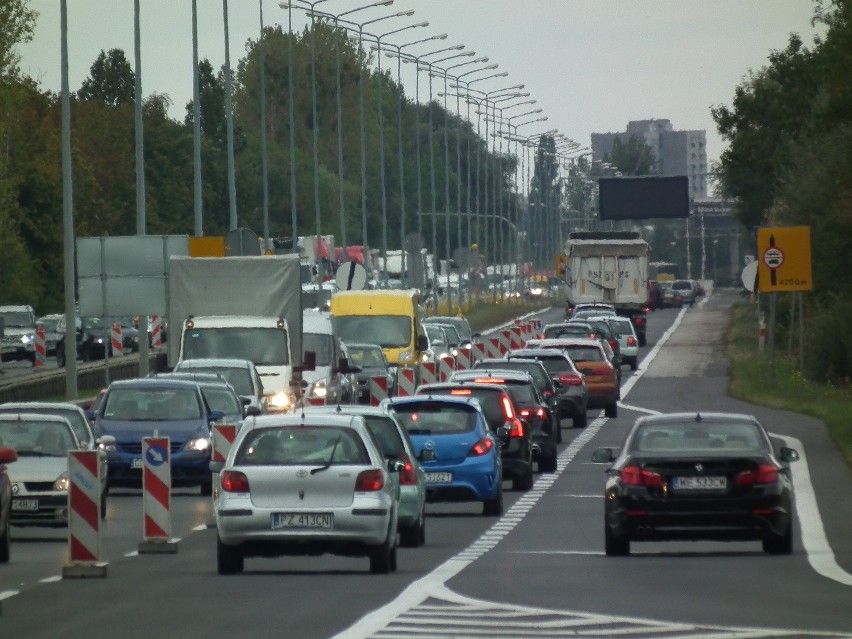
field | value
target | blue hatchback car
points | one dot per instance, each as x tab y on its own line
458	452
176	409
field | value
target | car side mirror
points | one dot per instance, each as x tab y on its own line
344	367
603	456
216	415
253	411
245	399
395	466
502	433
309	363
422	343
427	455
789	454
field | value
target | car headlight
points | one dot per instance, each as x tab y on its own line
279	400
26	339
318	389
406	356
61	484
424	357
443	354
99	340
197	444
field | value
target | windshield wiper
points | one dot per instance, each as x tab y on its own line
330	457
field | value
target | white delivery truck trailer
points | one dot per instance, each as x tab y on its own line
245	307
610	268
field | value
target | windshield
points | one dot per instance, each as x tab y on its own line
302	445
152	404
263	346
239	378
49	323
78	421
12	319
37	438
223	400
320	343
388	331
367	357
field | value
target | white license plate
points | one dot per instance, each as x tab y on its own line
439	478
303	520
700	483
136	462
28	505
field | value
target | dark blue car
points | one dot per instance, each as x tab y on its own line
176	409
457	450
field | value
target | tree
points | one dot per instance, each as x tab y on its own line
633	157
111	80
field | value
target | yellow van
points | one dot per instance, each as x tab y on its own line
392	319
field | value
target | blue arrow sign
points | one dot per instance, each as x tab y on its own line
156	455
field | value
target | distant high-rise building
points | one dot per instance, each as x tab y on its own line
676	152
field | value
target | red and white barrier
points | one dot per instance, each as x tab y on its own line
516	340
505	341
223	438
428	372
478	352
156	495
446	367
156	331
84	500
406	382
378	389
40	347
463	359
116	339
493	348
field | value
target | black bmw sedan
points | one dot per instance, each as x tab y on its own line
698	476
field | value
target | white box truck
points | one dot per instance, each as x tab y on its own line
245	307
611	268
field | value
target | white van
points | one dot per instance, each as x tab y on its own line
326	385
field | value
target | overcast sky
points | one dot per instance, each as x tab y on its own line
592	65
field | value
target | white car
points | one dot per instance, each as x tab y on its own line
305	485
40	476
627	339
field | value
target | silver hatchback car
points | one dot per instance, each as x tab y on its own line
305	485
627	340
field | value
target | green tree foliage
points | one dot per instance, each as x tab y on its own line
111	80
633	157
788	163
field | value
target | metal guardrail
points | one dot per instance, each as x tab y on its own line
91	377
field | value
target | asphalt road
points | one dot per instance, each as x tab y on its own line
539	570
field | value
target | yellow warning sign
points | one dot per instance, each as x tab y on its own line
784	259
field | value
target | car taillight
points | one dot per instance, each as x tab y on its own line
613	344
631	341
481	447
637	476
508	411
369	481
233	481
516	428
407	476
763	474
571	379
547	393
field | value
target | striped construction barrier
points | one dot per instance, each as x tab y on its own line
428	372
478	352
156	331
505	341
493	348
40	344
516	340
463	359
446	367
406	382
222	440
84	515
378	389
116	339
156	496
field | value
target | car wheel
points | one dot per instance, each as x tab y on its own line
494	507
228	558
634	364
581	420
5	543
615	545
414	535
525	482
382	558
207	487
611	410
548	464
779	544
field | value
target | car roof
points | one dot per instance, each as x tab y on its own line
571	341
45	405
212	362
537	353
153	382
347	409
34	417
460	384
519	376
306	418
698	417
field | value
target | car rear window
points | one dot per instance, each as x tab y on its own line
386	434
585	353
691	437
302	445
438	418
565	331
622	328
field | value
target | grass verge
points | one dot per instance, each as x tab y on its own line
751	381
484	316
